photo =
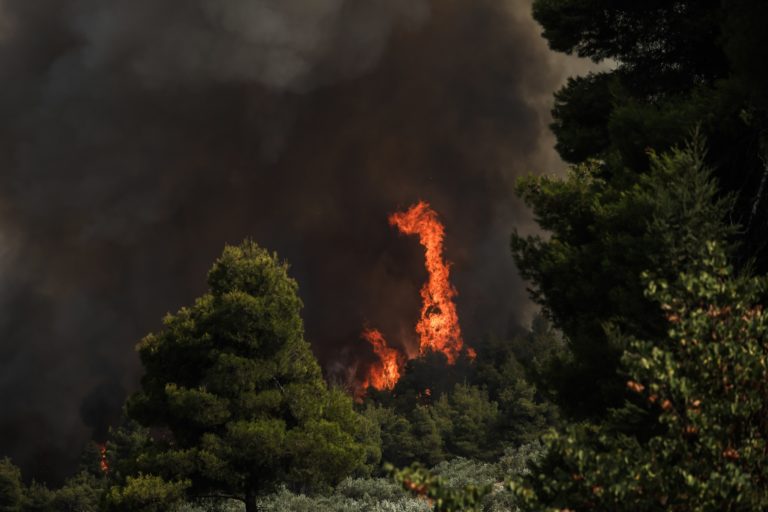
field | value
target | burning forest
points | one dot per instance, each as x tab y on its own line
366	255
438	327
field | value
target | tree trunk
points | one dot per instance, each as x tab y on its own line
250	502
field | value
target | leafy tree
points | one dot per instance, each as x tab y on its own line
236	396
81	493
704	384
581	115
604	234
127	443
352	495
398	445
11	487
428	430
444	498
507	370
675	65
38	498
669	44
466	484
468	420
147	493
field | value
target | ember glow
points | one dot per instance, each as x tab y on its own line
386	372
438	327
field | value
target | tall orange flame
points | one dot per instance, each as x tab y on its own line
386	372
438	327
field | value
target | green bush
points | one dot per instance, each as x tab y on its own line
352	495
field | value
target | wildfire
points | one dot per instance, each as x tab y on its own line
386	372
103	462
438	327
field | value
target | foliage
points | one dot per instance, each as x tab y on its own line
604	234
467	420
10	487
125	447
212	505
238	398
470	483
422	482
147	493
507	369
674	65
704	384
494	406
352	495
674	43
81	493
38	498
581	115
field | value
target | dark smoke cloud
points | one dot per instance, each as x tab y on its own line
136	138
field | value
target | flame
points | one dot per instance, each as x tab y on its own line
385	373
103	462
438	328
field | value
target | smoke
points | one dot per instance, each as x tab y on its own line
139	137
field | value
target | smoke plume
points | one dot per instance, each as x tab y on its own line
137	138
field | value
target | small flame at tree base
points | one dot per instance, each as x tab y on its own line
385	373
103	462
438	326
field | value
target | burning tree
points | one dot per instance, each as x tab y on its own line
438	326
235	397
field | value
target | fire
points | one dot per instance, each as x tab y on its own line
103	462
386	372
438	328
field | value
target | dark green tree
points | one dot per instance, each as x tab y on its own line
81	493
604	234
11	488
703	385
507	369
428	430
147	493
674	65
663	45
38	498
236	397
581	115
398	444
468	421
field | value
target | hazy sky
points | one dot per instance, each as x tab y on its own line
137	138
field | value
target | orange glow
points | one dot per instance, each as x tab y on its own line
438	327
385	373
103	463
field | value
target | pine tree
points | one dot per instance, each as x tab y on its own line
235	397
604	234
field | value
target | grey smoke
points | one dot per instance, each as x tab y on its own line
136	138
283	45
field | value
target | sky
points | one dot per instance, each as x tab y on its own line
138	138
